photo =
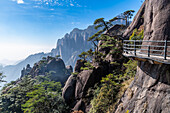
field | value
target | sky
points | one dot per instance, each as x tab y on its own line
32	26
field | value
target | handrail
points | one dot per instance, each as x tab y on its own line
144	45
145	41
136	47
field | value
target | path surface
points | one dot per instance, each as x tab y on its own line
145	56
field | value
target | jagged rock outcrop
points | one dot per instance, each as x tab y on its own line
53	67
26	70
13	72
150	90
116	31
71	45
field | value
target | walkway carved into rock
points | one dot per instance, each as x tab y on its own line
156	51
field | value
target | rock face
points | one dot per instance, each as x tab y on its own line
136	23
150	90
53	67
157	20
76	87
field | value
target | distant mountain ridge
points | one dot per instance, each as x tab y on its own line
13	72
71	45
68	47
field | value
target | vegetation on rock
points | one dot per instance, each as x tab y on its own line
45	98
107	93
34	94
137	35
111	86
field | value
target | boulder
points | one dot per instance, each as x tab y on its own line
79	64
69	90
87	79
55	65
84	80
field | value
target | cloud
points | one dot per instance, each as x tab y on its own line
75	23
20	1
71	4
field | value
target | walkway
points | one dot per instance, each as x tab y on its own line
155	51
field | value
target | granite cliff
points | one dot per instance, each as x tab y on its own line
150	90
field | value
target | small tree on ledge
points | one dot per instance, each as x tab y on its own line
83	55
57	56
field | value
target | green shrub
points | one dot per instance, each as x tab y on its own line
106	96
45	98
110	90
131	68
137	35
88	66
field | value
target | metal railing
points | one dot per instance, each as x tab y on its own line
156	48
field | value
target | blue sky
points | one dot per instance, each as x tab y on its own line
31	26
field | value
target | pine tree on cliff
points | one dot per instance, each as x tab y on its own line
83	55
105	25
127	15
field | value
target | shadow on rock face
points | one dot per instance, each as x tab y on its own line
160	73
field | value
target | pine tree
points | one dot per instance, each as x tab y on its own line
45	98
83	55
104	25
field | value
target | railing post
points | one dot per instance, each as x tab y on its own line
165	50
135	47
149	51
123	46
